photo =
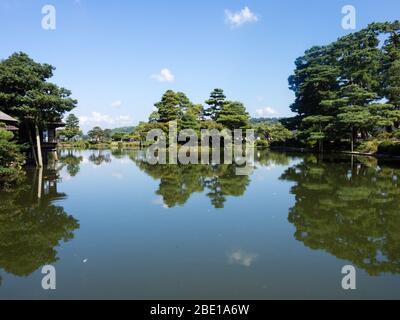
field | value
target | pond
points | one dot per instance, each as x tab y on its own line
114	226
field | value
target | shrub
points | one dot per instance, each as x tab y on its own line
384	136
10	177
262	143
370	146
11	160
389	147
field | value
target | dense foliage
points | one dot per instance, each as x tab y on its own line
72	129
32	228
11	160
349	90
349	209
27	95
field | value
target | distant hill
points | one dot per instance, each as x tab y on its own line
264	120
123	130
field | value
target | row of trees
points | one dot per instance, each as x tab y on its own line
218	113
349	89
73	132
99	135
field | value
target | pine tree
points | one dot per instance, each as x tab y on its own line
168	108
26	94
233	115
391	62
71	129
215	103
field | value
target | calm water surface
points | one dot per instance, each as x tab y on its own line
116	227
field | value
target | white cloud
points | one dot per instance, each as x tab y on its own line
236	19
105	120
242	258
116	104
165	75
265	112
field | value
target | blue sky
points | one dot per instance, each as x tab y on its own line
111	53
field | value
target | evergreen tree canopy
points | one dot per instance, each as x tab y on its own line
25	92
169	106
215	103
355	81
233	115
71	129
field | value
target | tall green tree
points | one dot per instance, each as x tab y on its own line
25	93
71	129
355	80
233	115
96	135
192	117
314	80
272	132
215	103
184	104
391	61
169	107
154	117
318	126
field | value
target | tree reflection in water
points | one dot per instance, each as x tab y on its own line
70	161
179	182
99	157
31	225
349	209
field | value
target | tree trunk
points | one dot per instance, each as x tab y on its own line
31	142
352	139
39	147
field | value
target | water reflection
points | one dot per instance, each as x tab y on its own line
242	258
70	161
349	208
179	182
99	157
32	225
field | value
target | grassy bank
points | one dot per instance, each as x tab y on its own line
103	145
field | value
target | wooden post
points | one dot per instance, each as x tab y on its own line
39	147
40	182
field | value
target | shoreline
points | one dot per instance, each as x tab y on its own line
354	153
129	146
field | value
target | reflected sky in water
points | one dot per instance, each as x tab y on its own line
116	227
